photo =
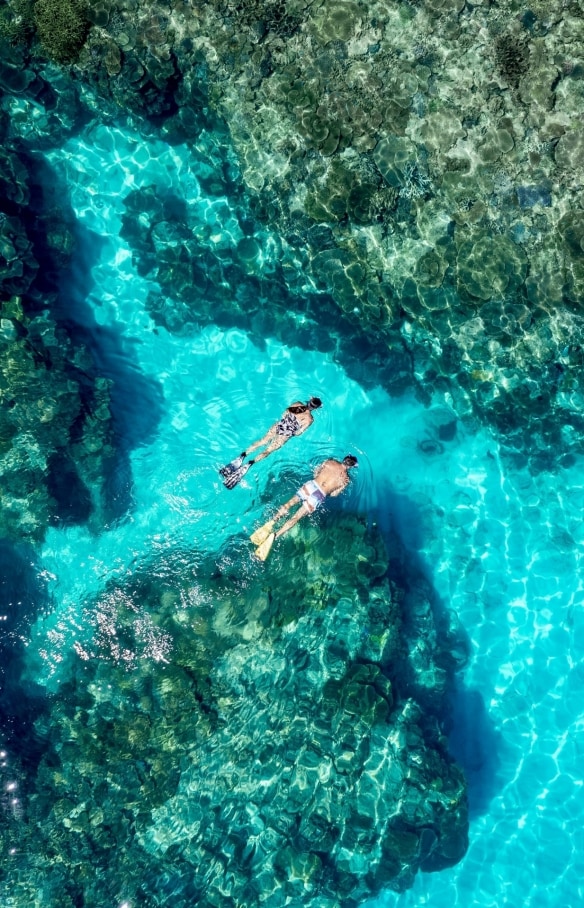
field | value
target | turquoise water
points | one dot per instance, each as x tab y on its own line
501	547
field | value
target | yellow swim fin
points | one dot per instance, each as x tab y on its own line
263	550
262	533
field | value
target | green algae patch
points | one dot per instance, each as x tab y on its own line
335	20
571	230
17	22
345	193
490	266
392	155
62	28
240	726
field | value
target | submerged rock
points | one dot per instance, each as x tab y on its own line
254	737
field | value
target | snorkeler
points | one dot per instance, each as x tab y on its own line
294	421
330	478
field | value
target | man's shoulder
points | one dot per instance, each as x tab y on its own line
329	464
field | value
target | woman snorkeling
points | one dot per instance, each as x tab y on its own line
295	420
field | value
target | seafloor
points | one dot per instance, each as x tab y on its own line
208	209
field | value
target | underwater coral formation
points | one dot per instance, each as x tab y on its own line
256	283
61	27
412	161
251	739
55	420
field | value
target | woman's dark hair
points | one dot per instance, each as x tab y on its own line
350	460
313	404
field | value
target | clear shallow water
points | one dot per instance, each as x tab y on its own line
501	548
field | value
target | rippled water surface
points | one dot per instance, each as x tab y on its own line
501	547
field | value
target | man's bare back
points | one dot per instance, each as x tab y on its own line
330	478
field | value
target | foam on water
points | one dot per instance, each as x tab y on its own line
502	548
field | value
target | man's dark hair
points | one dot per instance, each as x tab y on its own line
350	460
314	403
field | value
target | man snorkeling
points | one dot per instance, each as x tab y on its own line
330	478
294	421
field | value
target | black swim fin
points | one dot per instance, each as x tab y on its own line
232	467
236	475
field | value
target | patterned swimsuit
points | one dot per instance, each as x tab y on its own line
288	425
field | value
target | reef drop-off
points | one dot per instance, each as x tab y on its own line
266	738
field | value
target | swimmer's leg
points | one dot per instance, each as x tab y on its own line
302	511
270	434
275	444
262	533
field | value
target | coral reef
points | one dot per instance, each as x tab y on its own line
61	27
259	738
17	21
54	425
55	421
232	270
391	167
